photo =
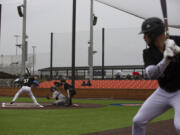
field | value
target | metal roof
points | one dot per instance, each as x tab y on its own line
95	68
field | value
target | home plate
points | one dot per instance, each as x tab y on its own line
3	104
19	105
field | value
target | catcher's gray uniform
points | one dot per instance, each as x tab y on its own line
60	98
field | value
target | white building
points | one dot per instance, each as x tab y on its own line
12	63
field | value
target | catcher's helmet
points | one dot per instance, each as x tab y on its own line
153	25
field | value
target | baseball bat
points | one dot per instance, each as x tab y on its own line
164	11
28	72
0	18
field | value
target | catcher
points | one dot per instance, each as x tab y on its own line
60	98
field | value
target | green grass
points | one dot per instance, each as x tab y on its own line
68	121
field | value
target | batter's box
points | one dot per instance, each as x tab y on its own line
127	104
19	105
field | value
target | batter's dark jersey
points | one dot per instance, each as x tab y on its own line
170	82
27	82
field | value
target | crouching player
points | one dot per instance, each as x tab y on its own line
69	90
58	96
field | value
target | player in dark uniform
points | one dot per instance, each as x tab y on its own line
70	91
162	62
27	83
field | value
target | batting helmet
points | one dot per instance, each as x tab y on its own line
153	25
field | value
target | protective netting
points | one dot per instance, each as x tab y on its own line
147	8
62	49
123	46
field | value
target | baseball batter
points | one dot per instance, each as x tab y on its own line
27	84
162	62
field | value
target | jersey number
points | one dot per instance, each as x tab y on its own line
26	80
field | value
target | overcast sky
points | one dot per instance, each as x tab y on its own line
46	16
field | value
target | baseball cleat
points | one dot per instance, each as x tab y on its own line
41	106
12	102
76	105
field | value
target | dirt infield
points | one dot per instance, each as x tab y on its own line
158	128
46	106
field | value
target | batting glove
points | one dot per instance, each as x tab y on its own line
172	45
168	55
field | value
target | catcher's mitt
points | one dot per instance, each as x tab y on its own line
48	96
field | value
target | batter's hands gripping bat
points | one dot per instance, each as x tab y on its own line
164	11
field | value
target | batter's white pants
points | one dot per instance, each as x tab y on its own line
159	102
25	89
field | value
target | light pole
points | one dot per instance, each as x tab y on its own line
24	36
34	47
73	43
91	42
91	52
2	60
